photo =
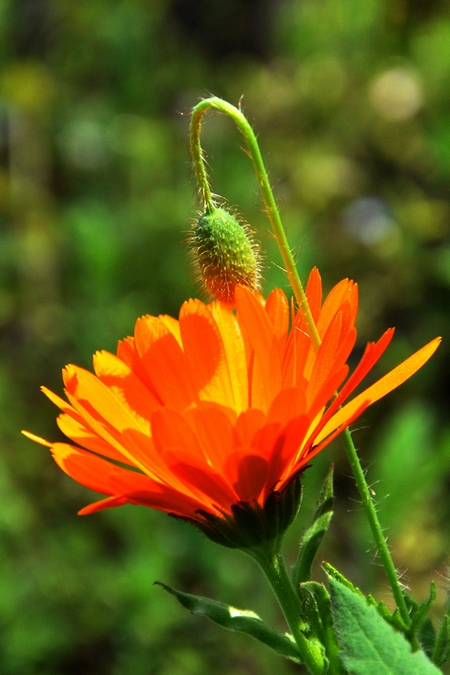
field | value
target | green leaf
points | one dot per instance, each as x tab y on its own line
316	608
313	536
337	576
394	619
427	638
441	651
239	620
421	625
369	646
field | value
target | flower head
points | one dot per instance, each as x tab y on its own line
220	407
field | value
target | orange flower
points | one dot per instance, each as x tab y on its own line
218	407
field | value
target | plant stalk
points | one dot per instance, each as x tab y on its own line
377	532
273	214
274	571
278	578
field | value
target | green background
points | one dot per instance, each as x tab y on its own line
351	102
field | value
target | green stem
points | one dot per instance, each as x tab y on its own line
269	201
377	532
275	571
274	217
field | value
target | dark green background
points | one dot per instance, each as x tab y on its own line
351	101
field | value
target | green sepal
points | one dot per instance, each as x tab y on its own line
421	626
441	652
316	611
250	525
313	536
241	621
368	644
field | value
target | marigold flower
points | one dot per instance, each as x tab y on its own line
219	407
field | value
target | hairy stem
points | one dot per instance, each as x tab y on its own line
247	132
273	214
377	532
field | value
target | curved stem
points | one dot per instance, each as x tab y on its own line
197	156
377	532
246	130
277	576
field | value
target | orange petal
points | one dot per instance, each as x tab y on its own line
201	342
205	354
107	503
285	450
214	433
325	359
343	292
164	362
123	486
277	308
252	474
267	362
247	425
386	384
118	428
289	403
98	399
59	402
235	356
86	468
209	485
180	449
125	385
298	348
372	353
82	435
314	293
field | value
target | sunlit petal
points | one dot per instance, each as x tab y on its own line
221	406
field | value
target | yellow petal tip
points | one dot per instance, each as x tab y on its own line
36	439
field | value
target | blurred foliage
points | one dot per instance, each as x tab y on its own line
352	106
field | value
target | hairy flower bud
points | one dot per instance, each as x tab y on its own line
224	254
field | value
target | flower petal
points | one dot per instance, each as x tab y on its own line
235	357
165	363
386	384
122	485
277	309
220	406
266	373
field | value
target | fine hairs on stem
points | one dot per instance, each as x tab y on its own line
217	104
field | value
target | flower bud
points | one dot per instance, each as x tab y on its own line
224	254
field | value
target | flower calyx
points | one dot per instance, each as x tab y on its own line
250	526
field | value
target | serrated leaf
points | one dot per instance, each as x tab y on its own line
241	621
369	646
337	576
313	536
394	619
